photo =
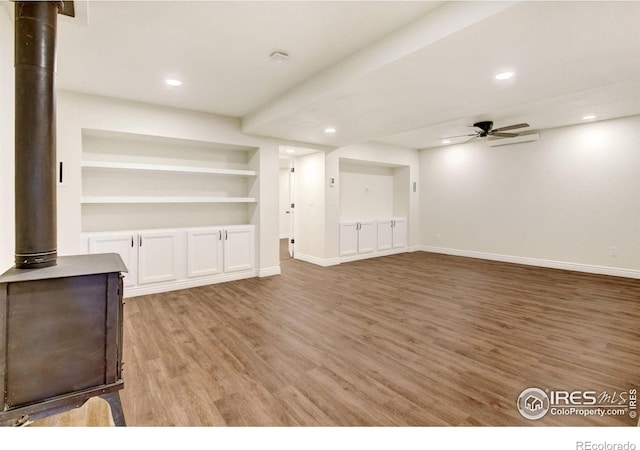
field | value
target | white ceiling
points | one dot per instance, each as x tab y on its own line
405	73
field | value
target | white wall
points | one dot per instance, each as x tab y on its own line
285	219
376	153
7	225
79	111
567	197
310	206
366	191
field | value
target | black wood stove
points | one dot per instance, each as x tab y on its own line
60	317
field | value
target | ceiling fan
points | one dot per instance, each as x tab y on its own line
485	129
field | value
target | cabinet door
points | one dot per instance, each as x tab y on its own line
367	236
384	234
204	249
238	249
399	232
157	256
124	244
348	238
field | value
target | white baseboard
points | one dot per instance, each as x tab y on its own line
317	261
577	267
269	271
156	288
394	251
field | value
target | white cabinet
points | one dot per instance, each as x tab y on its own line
168	259
371	238
204	247
238	249
392	233
215	250
124	244
357	237
150	256
367	234
157	256
348	238
399	227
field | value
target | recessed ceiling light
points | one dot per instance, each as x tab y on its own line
330	130
291	150
173	82
504	75
446	141
589	117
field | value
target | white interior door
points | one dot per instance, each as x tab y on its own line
292	209
285	202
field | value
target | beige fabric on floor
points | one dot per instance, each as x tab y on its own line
94	413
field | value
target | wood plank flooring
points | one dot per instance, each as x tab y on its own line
415	339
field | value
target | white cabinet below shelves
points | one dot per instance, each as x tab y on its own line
392	233
204	247
216	250
238	249
122	244
169	259
369	238
357	237
150	257
157	256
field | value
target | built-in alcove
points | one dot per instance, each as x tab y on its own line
372	190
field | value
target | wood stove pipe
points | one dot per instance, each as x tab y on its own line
35	133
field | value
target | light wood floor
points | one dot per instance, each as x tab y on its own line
414	339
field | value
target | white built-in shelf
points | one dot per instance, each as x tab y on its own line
133	199
163	168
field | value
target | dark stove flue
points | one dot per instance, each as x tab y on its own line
35	133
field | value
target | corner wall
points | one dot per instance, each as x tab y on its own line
562	201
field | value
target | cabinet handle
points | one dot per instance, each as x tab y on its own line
226	235
140	241
131	240
219	235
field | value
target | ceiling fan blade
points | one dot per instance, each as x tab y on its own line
504	134
469	140
462	135
512	127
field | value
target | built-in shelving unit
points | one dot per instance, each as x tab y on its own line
160	168
132	181
181	213
133	199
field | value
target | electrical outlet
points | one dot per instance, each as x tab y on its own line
438	237
613	251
